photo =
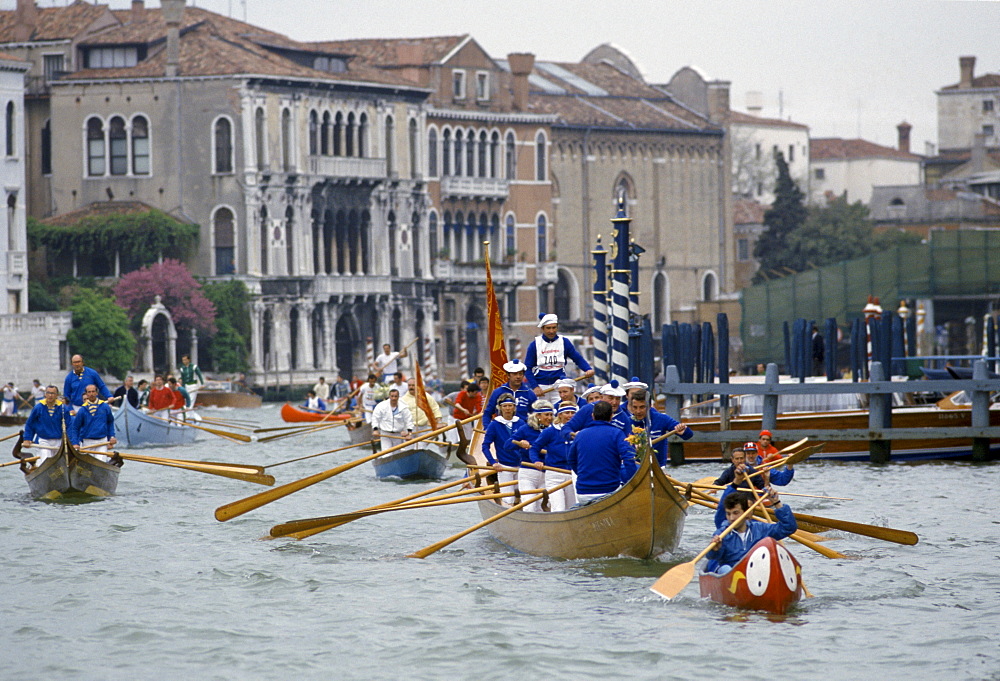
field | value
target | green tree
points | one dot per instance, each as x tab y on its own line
229	348
785	215
100	332
831	233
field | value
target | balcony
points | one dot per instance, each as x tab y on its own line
446	270
547	272
481	188
348	167
348	285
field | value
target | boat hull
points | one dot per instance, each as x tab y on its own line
135	429
70	473
13	419
768	578
414	464
359	431
643	519
222	398
292	414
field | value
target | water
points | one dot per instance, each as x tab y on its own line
147	585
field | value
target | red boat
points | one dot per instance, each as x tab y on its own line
292	414
768	578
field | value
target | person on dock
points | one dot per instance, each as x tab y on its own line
161	398
516	388
366	397
738	470
499	431
531	475
601	457
77	381
388	362
37	392
192	380
314	402
126	391
322	389
552	449
9	393
45	425
94	424
640	416
566	388
547	355
729	550
392	421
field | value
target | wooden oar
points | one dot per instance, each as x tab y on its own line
700	485
308	430
223	471
10	437
514	470
221	433
227	424
428	550
16	461
673	581
329	451
429	442
884	533
238	508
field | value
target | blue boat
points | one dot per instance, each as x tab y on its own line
135	429
411	464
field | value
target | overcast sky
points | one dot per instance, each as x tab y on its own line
845	68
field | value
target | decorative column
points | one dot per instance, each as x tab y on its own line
194	346
619	296
306	331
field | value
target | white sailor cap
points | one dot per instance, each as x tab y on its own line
513	366
613	390
635	383
546	319
565	383
590	389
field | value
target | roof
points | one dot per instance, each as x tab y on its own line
98	209
390	52
748	212
838	149
55	23
987	80
749	119
923	203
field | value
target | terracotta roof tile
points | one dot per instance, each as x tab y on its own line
740	117
748	212
836	148
391	52
56	23
97	209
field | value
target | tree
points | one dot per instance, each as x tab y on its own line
228	350
832	233
784	217
178	291
100	332
750	168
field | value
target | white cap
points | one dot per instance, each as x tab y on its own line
566	383
612	390
635	383
514	366
591	388
547	319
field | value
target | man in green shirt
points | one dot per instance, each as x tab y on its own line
191	378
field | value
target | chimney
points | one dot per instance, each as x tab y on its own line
25	20
904	136
521	65
718	101
138	11
966	65
755	103
173	15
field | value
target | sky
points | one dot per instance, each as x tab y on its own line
845	68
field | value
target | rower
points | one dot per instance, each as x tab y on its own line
94	425
729	550
179	394
566	387
392	421
192	379
125	392
547	354
515	387
37	392
366	397
632	386
314	403
78	379
388	362
610	394
499	431
161	398
530	476
468	402
9	400
410	400
738	470
399	384
764	452
640	415
591	393
601	457
552	449
45	425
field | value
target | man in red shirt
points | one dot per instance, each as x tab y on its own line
161	398
468	402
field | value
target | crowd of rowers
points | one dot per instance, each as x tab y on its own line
83	408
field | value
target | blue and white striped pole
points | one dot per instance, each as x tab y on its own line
600	311
619	296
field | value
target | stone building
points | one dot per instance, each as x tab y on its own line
852	168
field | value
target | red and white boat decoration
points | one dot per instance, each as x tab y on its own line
768	578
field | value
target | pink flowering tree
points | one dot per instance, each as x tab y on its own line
178	290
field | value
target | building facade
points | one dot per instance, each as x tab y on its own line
852	168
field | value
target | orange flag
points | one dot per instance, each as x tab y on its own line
421	396
498	349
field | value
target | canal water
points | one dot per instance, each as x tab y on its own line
148	585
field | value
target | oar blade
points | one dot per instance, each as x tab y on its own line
889	534
802	455
673	581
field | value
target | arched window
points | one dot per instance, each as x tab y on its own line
390	134
223	230
95	147
543	250
223	146
432	151
11	130
352	130
511	157
661	301
260	130
495	237
363	136
414	144
119	146
457	170
446	153
510	237
541	150
483	151
286	140
11	213
140	146
47	148
470	154
708	287
494	155
432	234
313	133
265	239
289	247
324	135
338	134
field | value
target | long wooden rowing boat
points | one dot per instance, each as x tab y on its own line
71	473
225	398
411	464
292	414
13	419
135	429
359	431
643	519
768	578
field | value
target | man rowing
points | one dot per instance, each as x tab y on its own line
738	471
94	425
547	355
366	397
388	362
566	387
124	392
729	550
10	395
392	421
530	474
77	381
45	425
640	416
762	452
610	394
515	387
314	402
552	449
161	398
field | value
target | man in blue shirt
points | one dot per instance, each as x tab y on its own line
515	388
640	415
94	425
77	381
601	457
729	550
547	355
44	426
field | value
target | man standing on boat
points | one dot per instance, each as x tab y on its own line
547	355
37	392
94	425
392	421
191	379
322	389
388	362
515	387
77	381
410	400
9	400
366	397
640	416
601	457
45	424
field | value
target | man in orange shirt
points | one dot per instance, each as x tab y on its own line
161	398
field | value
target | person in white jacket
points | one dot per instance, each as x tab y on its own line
392	421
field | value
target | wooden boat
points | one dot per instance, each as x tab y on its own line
411	464
225	398
768	578
71	473
135	429
13	419
293	414
643	519
359	431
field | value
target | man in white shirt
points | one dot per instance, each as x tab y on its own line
322	389
392	421
366	397
399	384
388	362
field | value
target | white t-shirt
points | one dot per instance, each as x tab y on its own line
389	363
